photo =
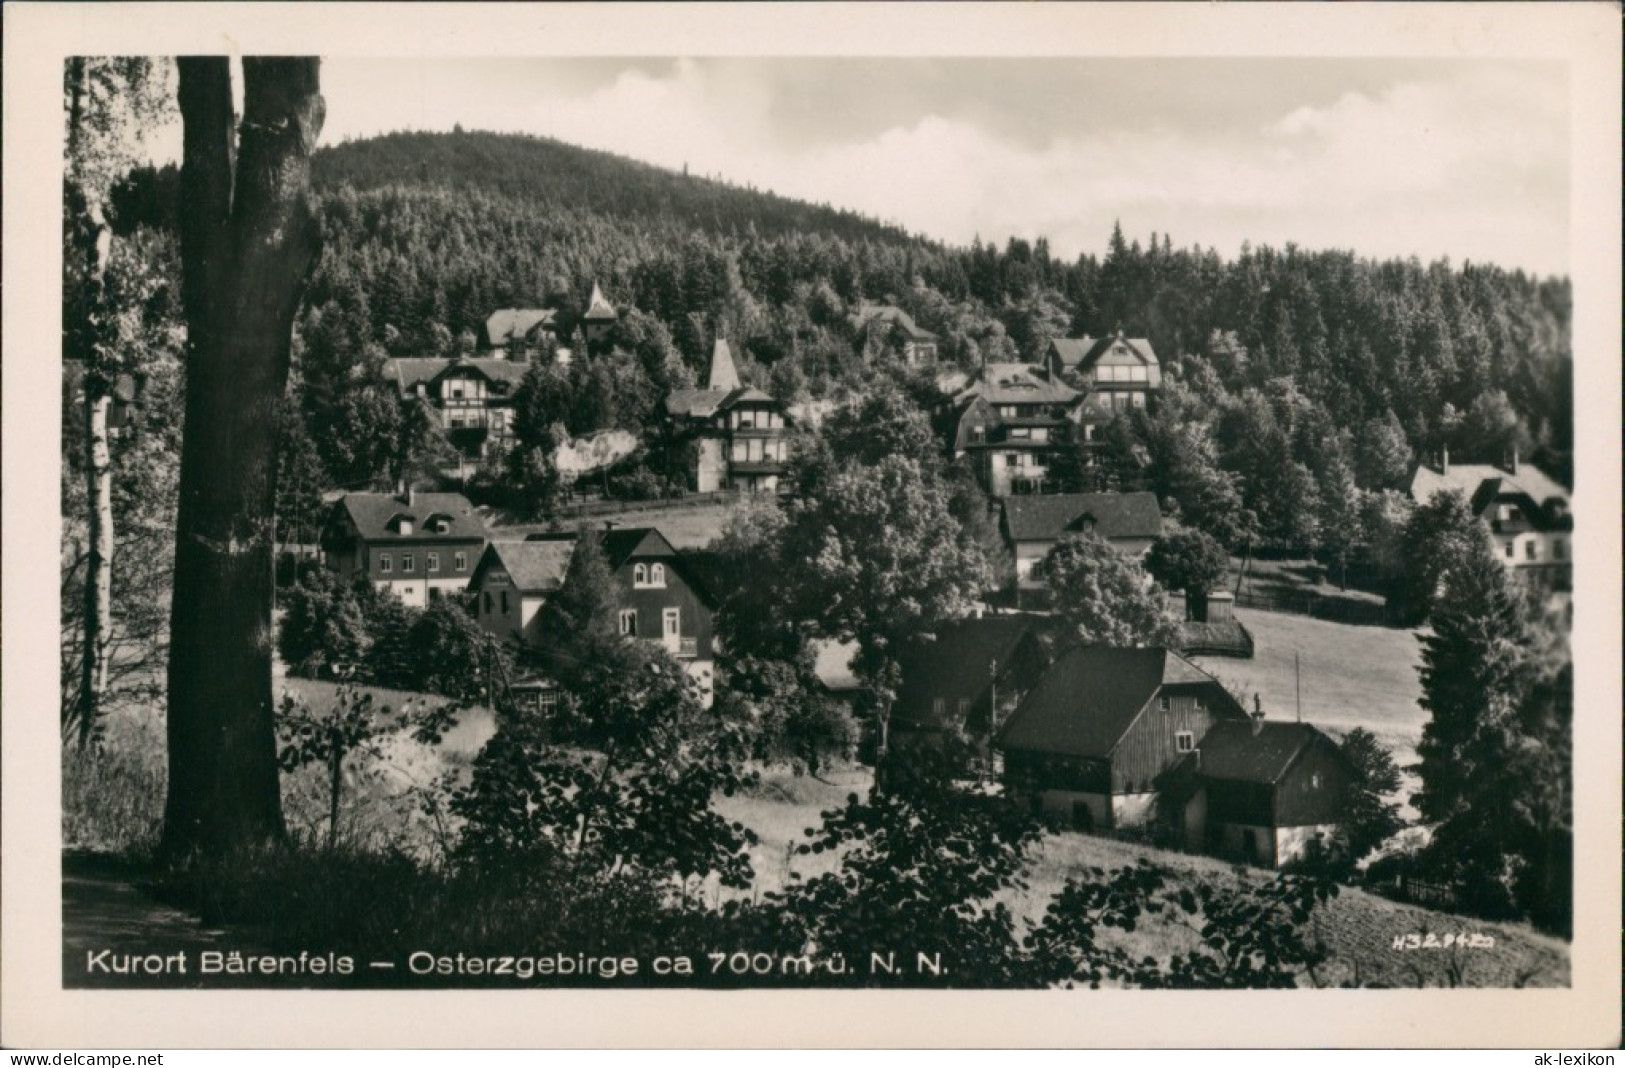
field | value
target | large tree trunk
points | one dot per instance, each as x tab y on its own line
249	239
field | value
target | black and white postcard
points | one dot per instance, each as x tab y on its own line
653	518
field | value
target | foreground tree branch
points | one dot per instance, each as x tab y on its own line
249	239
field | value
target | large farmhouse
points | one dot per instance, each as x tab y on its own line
419	546
1142	738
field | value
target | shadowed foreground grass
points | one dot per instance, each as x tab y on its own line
385	892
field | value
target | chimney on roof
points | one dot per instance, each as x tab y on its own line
609	524
1257	716
1514	465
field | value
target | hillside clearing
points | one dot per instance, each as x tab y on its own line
1351	676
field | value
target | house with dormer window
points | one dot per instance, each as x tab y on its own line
1118	375
471	399
418	546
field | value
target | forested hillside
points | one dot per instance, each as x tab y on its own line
426	234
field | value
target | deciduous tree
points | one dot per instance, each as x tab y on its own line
1105	596
249	238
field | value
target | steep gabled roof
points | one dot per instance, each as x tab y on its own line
372	512
1232	752
721	373
1089	698
696	403
507	325
622	545
408	371
1070	351
599	310
1046	517
534	566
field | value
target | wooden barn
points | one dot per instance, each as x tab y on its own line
1096	732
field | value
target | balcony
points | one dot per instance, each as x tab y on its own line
756	467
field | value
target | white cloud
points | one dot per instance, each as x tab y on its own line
1473	166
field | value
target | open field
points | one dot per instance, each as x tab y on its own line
1351	676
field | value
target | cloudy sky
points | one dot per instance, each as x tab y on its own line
1461	158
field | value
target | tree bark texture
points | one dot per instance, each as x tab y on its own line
249	239
96	381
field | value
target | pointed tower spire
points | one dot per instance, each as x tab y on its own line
598	309
722	373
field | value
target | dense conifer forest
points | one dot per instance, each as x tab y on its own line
1297	373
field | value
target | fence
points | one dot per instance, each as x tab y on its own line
663	504
1309	603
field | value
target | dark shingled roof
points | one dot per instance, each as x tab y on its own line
957	659
1017	383
1231	751
621	544
409	371
1046	517
534	566
372	512
1091	695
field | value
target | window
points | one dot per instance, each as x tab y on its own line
432	564
547	700
1184	741
1021	433
385	565
408	563
404	527
657	576
1560	550
629	622
1137	399
1164	703
488	602
504	602
459	562
962	707
1201	704
1511	550
640	574
939	706
1531	550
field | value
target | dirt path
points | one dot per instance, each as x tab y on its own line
108	918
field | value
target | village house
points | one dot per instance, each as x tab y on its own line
1009	419
739	432
896	329
661	601
955	676
512	333
1526	511
1142	739
1269	793
1031	526
1119	373
1097	730
512	581
471	398
418	546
